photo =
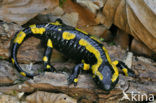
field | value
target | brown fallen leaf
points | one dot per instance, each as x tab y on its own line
86	17
122	38
140	48
136	17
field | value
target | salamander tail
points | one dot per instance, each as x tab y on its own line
20	37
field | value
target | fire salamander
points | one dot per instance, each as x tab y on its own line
89	53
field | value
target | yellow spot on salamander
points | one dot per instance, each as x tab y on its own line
23	74
125	71
36	30
86	66
93	50
83	61
116	72
13	61
20	36
49	43
48	67
68	35
81	31
45	59
56	23
59	29
76	80
115	62
96	39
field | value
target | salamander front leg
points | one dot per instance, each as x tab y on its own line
47	56
73	78
121	65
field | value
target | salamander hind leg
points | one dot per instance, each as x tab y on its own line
47	55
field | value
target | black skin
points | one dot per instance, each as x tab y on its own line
72	49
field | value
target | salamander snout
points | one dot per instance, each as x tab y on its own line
105	82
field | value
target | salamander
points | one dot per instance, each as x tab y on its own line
74	43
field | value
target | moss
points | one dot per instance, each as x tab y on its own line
1	57
61	2
102	39
112	43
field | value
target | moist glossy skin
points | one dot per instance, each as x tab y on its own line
76	44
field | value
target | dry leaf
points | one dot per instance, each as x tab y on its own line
137	17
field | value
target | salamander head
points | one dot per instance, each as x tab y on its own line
106	82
